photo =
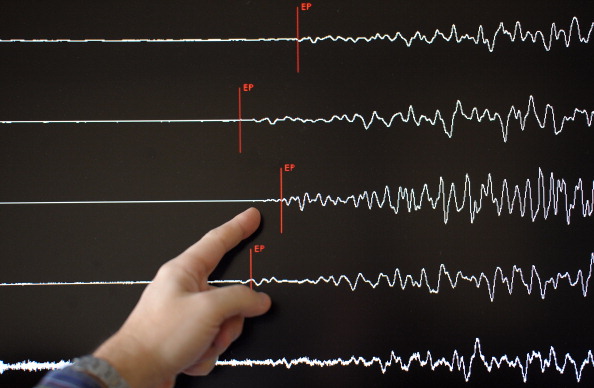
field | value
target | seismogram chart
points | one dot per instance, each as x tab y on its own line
424	170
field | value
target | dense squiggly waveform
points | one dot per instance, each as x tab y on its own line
447	124
548	360
453	36
548	197
532	282
32	366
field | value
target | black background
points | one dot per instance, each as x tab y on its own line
135	161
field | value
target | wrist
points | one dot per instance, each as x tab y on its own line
134	363
99	370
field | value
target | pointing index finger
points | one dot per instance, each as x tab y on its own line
202	257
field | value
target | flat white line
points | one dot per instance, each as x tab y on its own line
156	40
136	202
109	283
96	283
161	121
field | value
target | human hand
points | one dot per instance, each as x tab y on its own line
181	323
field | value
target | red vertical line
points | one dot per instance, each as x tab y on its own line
281	200
239	122
251	270
297	34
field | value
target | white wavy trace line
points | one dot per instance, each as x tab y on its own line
517	34
551	199
456	363
535	282
548	200
504	120
32	366
448	124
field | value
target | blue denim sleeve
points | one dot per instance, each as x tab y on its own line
69	378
